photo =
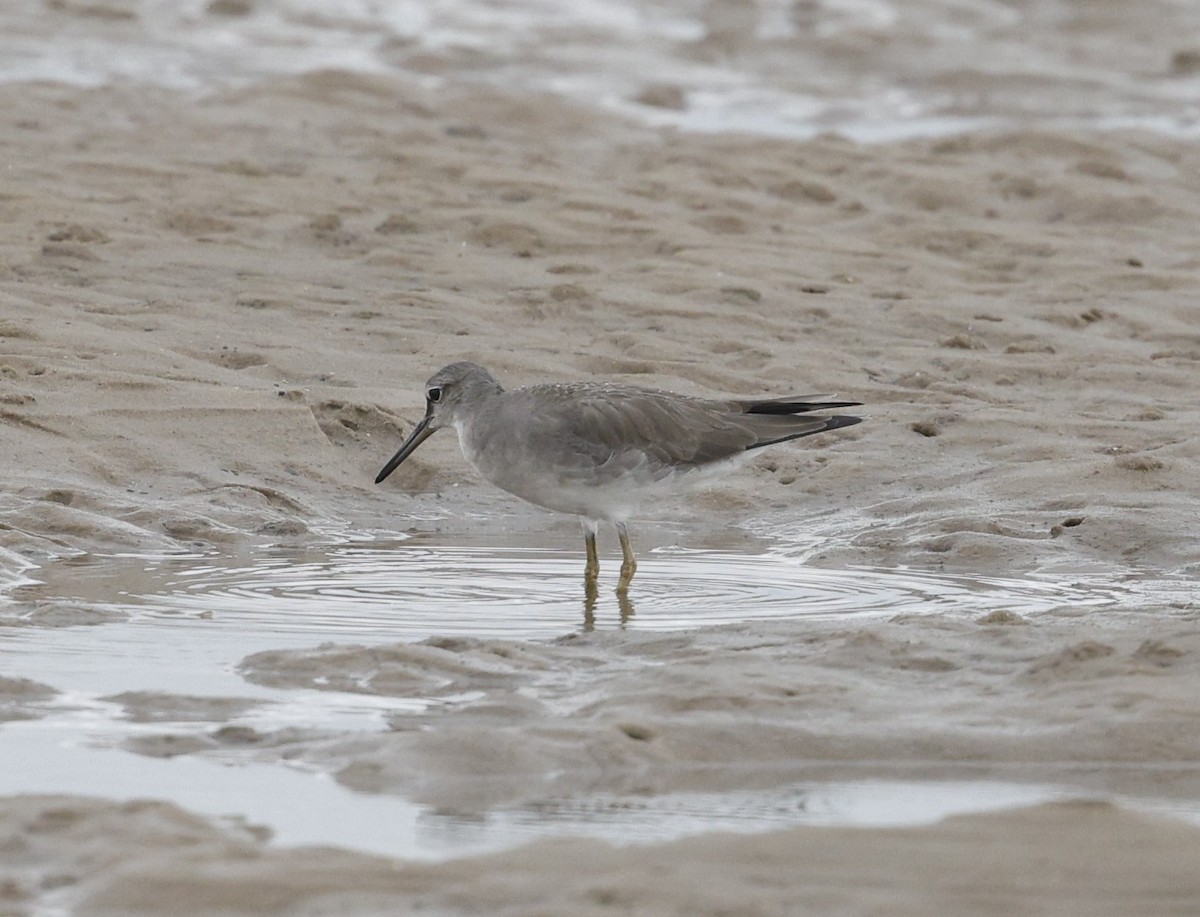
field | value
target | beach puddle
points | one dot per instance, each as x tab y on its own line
305	808
180	625
407	591
868	802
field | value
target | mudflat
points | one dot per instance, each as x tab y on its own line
217	316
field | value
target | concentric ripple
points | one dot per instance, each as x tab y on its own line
182	623
409	592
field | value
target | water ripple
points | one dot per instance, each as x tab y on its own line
410	592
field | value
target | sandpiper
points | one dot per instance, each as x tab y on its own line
598	449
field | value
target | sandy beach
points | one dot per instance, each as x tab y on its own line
217	313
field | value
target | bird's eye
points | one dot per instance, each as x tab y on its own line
434	394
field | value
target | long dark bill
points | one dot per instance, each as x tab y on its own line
419	434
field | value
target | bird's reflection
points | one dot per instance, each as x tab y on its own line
591	593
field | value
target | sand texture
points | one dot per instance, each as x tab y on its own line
216	317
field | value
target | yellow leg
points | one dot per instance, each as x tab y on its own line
590	572
628	565
592	569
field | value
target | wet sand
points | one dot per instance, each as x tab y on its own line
217	318
152	858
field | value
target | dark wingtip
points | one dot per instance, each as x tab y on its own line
797	407
841	420
837	422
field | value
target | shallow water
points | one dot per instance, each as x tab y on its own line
411	590
305	808
181	624
74	754
188	620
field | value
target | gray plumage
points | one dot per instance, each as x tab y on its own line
597	449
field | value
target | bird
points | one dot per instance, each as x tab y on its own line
597	450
